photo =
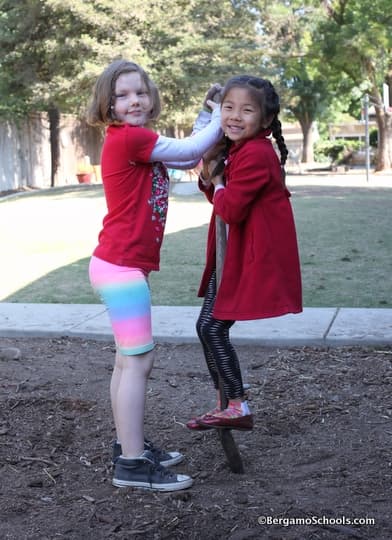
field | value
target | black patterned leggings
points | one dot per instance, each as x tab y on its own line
221	358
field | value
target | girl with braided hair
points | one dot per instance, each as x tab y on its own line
244	180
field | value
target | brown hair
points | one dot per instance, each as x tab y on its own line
100	108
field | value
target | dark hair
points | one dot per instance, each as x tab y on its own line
266	97
100	109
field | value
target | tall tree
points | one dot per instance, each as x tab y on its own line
52	50
55	48
192	43
49	52
307	84
356	39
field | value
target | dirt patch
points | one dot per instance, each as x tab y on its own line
320	451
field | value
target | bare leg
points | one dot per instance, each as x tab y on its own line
128	394
114	384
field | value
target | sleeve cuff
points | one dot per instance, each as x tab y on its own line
202	120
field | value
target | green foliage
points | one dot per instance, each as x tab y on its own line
309	88
339	151
322	56
191	45
373	138
355	37
51	51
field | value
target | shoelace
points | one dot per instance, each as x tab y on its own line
157	452
163	472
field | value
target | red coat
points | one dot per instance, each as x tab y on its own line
261	275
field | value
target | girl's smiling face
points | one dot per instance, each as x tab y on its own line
240	115
132	101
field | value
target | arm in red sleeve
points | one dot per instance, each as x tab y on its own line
249	175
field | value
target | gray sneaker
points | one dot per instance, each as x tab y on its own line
166	459
143	472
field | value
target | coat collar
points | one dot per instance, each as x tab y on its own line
262	135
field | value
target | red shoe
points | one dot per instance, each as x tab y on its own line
194	422
194	426
243	423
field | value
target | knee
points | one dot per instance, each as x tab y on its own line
209	331
137	365
203	329
199	327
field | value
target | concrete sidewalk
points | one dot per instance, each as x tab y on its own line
313	327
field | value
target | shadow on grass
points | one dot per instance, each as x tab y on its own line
345	241
68	284
177	282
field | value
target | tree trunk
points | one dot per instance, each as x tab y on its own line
170	131
384	150
384	126
307	134
54	130
388	81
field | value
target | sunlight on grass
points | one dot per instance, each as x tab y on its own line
345	240
41	233
50	235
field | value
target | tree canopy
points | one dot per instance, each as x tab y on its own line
356	38
52	50
321	55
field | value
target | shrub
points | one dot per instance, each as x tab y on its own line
373	138
338	152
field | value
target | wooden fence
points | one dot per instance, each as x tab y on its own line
25	157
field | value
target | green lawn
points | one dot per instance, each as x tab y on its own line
345	241
344	234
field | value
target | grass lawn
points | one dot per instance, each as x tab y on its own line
344	234
345	241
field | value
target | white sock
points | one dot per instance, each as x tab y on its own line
245	408
132	457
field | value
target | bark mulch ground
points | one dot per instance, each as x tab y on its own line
317	465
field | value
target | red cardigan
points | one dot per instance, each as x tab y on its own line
261	275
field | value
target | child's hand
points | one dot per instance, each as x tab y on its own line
210	105
217	180
213	97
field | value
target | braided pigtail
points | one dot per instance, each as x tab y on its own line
214	161
221	158
276	128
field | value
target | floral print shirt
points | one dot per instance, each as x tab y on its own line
159	199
